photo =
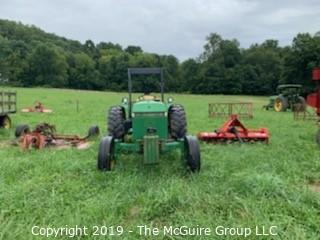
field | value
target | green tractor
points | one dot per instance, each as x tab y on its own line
288	98
148	126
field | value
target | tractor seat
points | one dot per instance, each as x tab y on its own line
148	98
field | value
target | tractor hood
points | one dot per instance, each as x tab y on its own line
149	106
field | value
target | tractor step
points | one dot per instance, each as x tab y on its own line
234	131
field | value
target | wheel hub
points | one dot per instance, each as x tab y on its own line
278	106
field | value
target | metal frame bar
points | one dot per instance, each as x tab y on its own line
305	114
242	109
8	102
136	146
144	71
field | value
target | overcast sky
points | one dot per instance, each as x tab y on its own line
177	27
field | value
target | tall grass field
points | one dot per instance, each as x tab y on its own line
239	186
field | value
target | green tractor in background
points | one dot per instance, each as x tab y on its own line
288	98
149	126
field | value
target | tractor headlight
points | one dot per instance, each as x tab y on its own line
124	100
170	100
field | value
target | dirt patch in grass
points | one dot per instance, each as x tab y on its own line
5	144
134	211
315	187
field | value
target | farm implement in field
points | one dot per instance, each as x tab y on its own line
148	126
313	99
8	105
38	108
288	96
44	135
234	131
304	113
225	109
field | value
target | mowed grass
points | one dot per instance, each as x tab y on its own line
238	186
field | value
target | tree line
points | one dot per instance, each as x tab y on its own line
30	57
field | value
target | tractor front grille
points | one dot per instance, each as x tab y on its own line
149	114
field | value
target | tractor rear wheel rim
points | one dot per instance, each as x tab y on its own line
6	123
278	106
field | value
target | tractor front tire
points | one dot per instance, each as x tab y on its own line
21	130
106	154
5	122
177	122
280	104
192	153
116	118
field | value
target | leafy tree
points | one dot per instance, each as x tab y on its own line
189	71
17	62
211	76
301	59
133	49
231	83
82	73
218	58
145	83
249	78
48	67
5	51
172	80
109	45
212	47
113	71
266	60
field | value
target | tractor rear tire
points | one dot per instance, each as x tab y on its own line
94	131
106	154
280	104
192	153
22	130
116	118
177	122
5	122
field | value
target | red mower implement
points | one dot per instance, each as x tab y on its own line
44	135
38	108
234	131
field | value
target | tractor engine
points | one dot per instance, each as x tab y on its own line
149	117
149	125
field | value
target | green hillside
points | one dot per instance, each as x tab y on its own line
32	57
